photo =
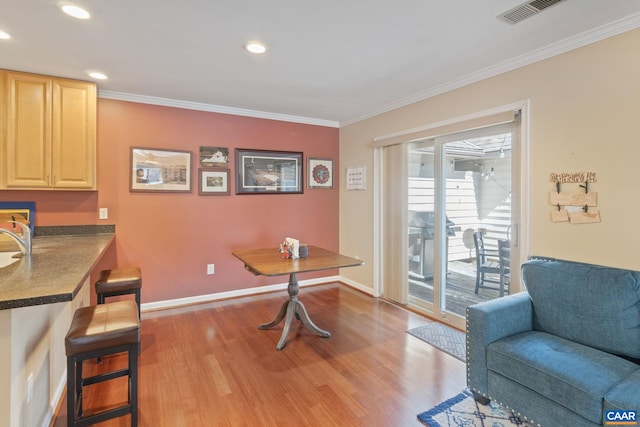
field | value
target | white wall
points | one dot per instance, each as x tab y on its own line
584	117
32	340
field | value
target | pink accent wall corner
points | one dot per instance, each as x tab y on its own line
172	236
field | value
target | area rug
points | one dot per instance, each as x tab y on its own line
443	337
463	411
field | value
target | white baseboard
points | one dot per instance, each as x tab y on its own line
55	401
161	305
362	288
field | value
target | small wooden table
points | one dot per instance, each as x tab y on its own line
267	262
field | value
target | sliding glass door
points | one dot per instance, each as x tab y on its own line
453	193
458	186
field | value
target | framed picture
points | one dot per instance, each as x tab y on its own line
213	181
214	157
320	173
23	212
159	170
268	172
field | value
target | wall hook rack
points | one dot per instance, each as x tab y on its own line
585	186
577	195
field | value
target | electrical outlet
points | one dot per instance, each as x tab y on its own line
104	213
210	268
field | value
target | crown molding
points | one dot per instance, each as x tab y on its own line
166	102
588	37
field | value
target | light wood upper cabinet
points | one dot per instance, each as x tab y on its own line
74	134
49	132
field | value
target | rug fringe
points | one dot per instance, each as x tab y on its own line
428	415
460	411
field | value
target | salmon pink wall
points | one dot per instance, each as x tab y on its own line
172	236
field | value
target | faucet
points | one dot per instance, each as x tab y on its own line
25	241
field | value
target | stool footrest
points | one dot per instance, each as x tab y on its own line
105	377
103	416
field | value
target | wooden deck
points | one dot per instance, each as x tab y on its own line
460	287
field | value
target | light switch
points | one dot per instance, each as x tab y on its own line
104	213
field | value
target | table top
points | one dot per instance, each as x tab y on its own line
267	262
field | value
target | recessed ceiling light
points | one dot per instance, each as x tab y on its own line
255	47
97	75
4	36
75	11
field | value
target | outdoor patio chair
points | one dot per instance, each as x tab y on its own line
504	253
484	265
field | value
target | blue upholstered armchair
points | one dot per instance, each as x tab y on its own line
566	351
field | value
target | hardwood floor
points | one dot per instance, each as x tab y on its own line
209	365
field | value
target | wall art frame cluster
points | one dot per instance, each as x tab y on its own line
257	171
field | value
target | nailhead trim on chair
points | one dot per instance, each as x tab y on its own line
530	420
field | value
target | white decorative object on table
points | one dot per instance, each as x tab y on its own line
294	247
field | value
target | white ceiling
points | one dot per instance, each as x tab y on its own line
329	63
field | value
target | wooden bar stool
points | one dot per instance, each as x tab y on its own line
97	331
119	281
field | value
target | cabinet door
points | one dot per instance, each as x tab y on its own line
74	134
28	130
3	131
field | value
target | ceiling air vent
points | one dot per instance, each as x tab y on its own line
527	10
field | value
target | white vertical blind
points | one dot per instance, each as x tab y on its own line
395	207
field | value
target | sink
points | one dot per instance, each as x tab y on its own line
6	258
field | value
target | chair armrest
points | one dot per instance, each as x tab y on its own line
491	321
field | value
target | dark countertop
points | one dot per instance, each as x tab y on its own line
54	272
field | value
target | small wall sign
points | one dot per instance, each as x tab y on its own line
356	178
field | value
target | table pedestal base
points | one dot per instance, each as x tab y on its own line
288	310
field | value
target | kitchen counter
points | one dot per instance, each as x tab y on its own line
54	272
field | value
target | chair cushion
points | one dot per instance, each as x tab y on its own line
570	374
99	327
593	305
119	279
625	395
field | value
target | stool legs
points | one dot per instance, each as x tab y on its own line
133	388
75	384
72	386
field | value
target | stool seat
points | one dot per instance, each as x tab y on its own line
103	326
119	280
98	331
